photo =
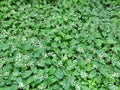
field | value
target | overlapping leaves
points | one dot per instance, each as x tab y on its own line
66	45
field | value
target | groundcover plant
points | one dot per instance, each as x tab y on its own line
59	45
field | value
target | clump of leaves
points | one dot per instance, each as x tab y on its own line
70	45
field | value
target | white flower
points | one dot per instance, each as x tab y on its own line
31	63
115	74
94	66
65	19
45	55
118	63
53	55
60	63
21	85
77	36
70	67
102	55
88	60
6	74
41	86
39	77
65	57
112	87
15	73
83	74
24	38
81	50
78	86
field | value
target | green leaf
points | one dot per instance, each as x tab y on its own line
92	74
67	37
66	85
29	80
2	63
59	74
19	79
26	74
14	87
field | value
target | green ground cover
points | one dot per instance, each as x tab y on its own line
60	45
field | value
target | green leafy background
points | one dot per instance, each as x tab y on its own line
59	45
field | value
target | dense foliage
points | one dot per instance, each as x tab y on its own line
59	45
